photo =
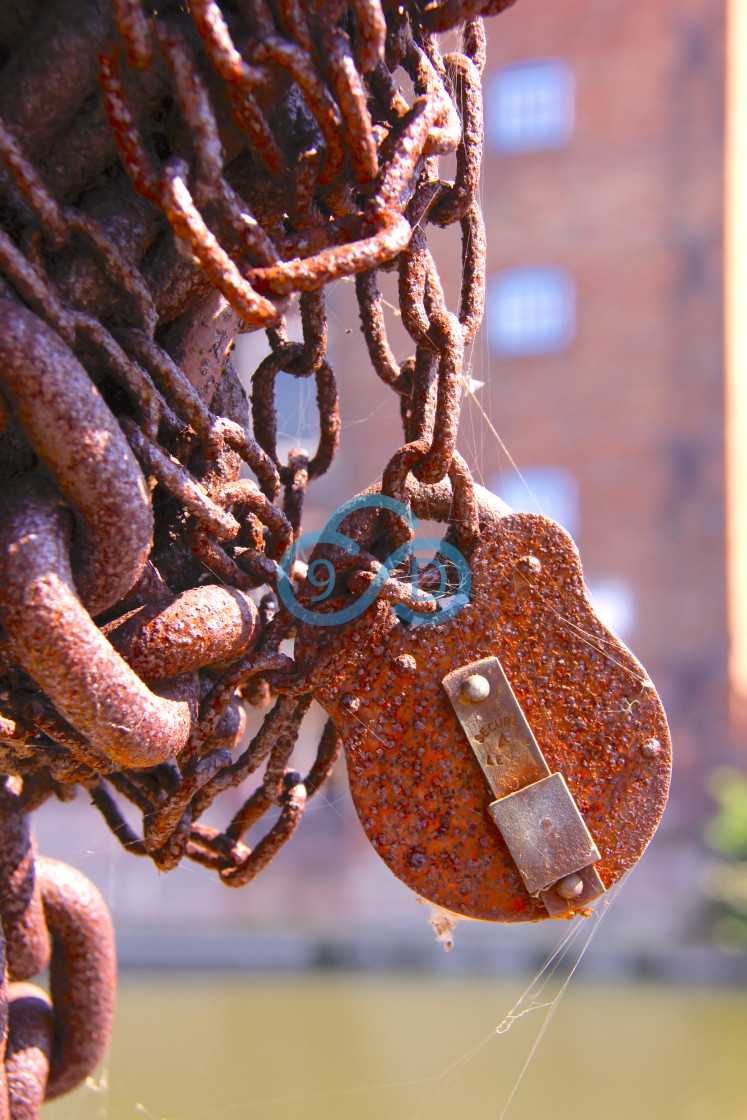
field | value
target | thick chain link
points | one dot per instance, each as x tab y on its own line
52	917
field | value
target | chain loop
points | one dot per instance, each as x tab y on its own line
50	916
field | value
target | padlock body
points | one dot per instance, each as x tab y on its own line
418	789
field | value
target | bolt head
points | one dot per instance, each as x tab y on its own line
570	887
532	564
475	689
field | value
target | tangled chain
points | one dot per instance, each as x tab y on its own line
171	178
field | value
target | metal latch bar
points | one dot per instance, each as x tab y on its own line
534	811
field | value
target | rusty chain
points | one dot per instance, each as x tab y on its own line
186	175
52	917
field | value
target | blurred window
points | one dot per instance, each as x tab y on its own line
531	310
552	491
530	105
614	602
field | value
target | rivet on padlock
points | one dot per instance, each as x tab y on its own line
578	791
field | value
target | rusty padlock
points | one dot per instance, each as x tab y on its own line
509	758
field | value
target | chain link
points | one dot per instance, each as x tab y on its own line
52	917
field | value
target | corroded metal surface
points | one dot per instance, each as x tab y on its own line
419	790
62	650
81	974
77	439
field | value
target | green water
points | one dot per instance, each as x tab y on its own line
351	1047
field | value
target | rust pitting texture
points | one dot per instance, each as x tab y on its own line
418	789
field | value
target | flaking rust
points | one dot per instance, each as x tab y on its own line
418	788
